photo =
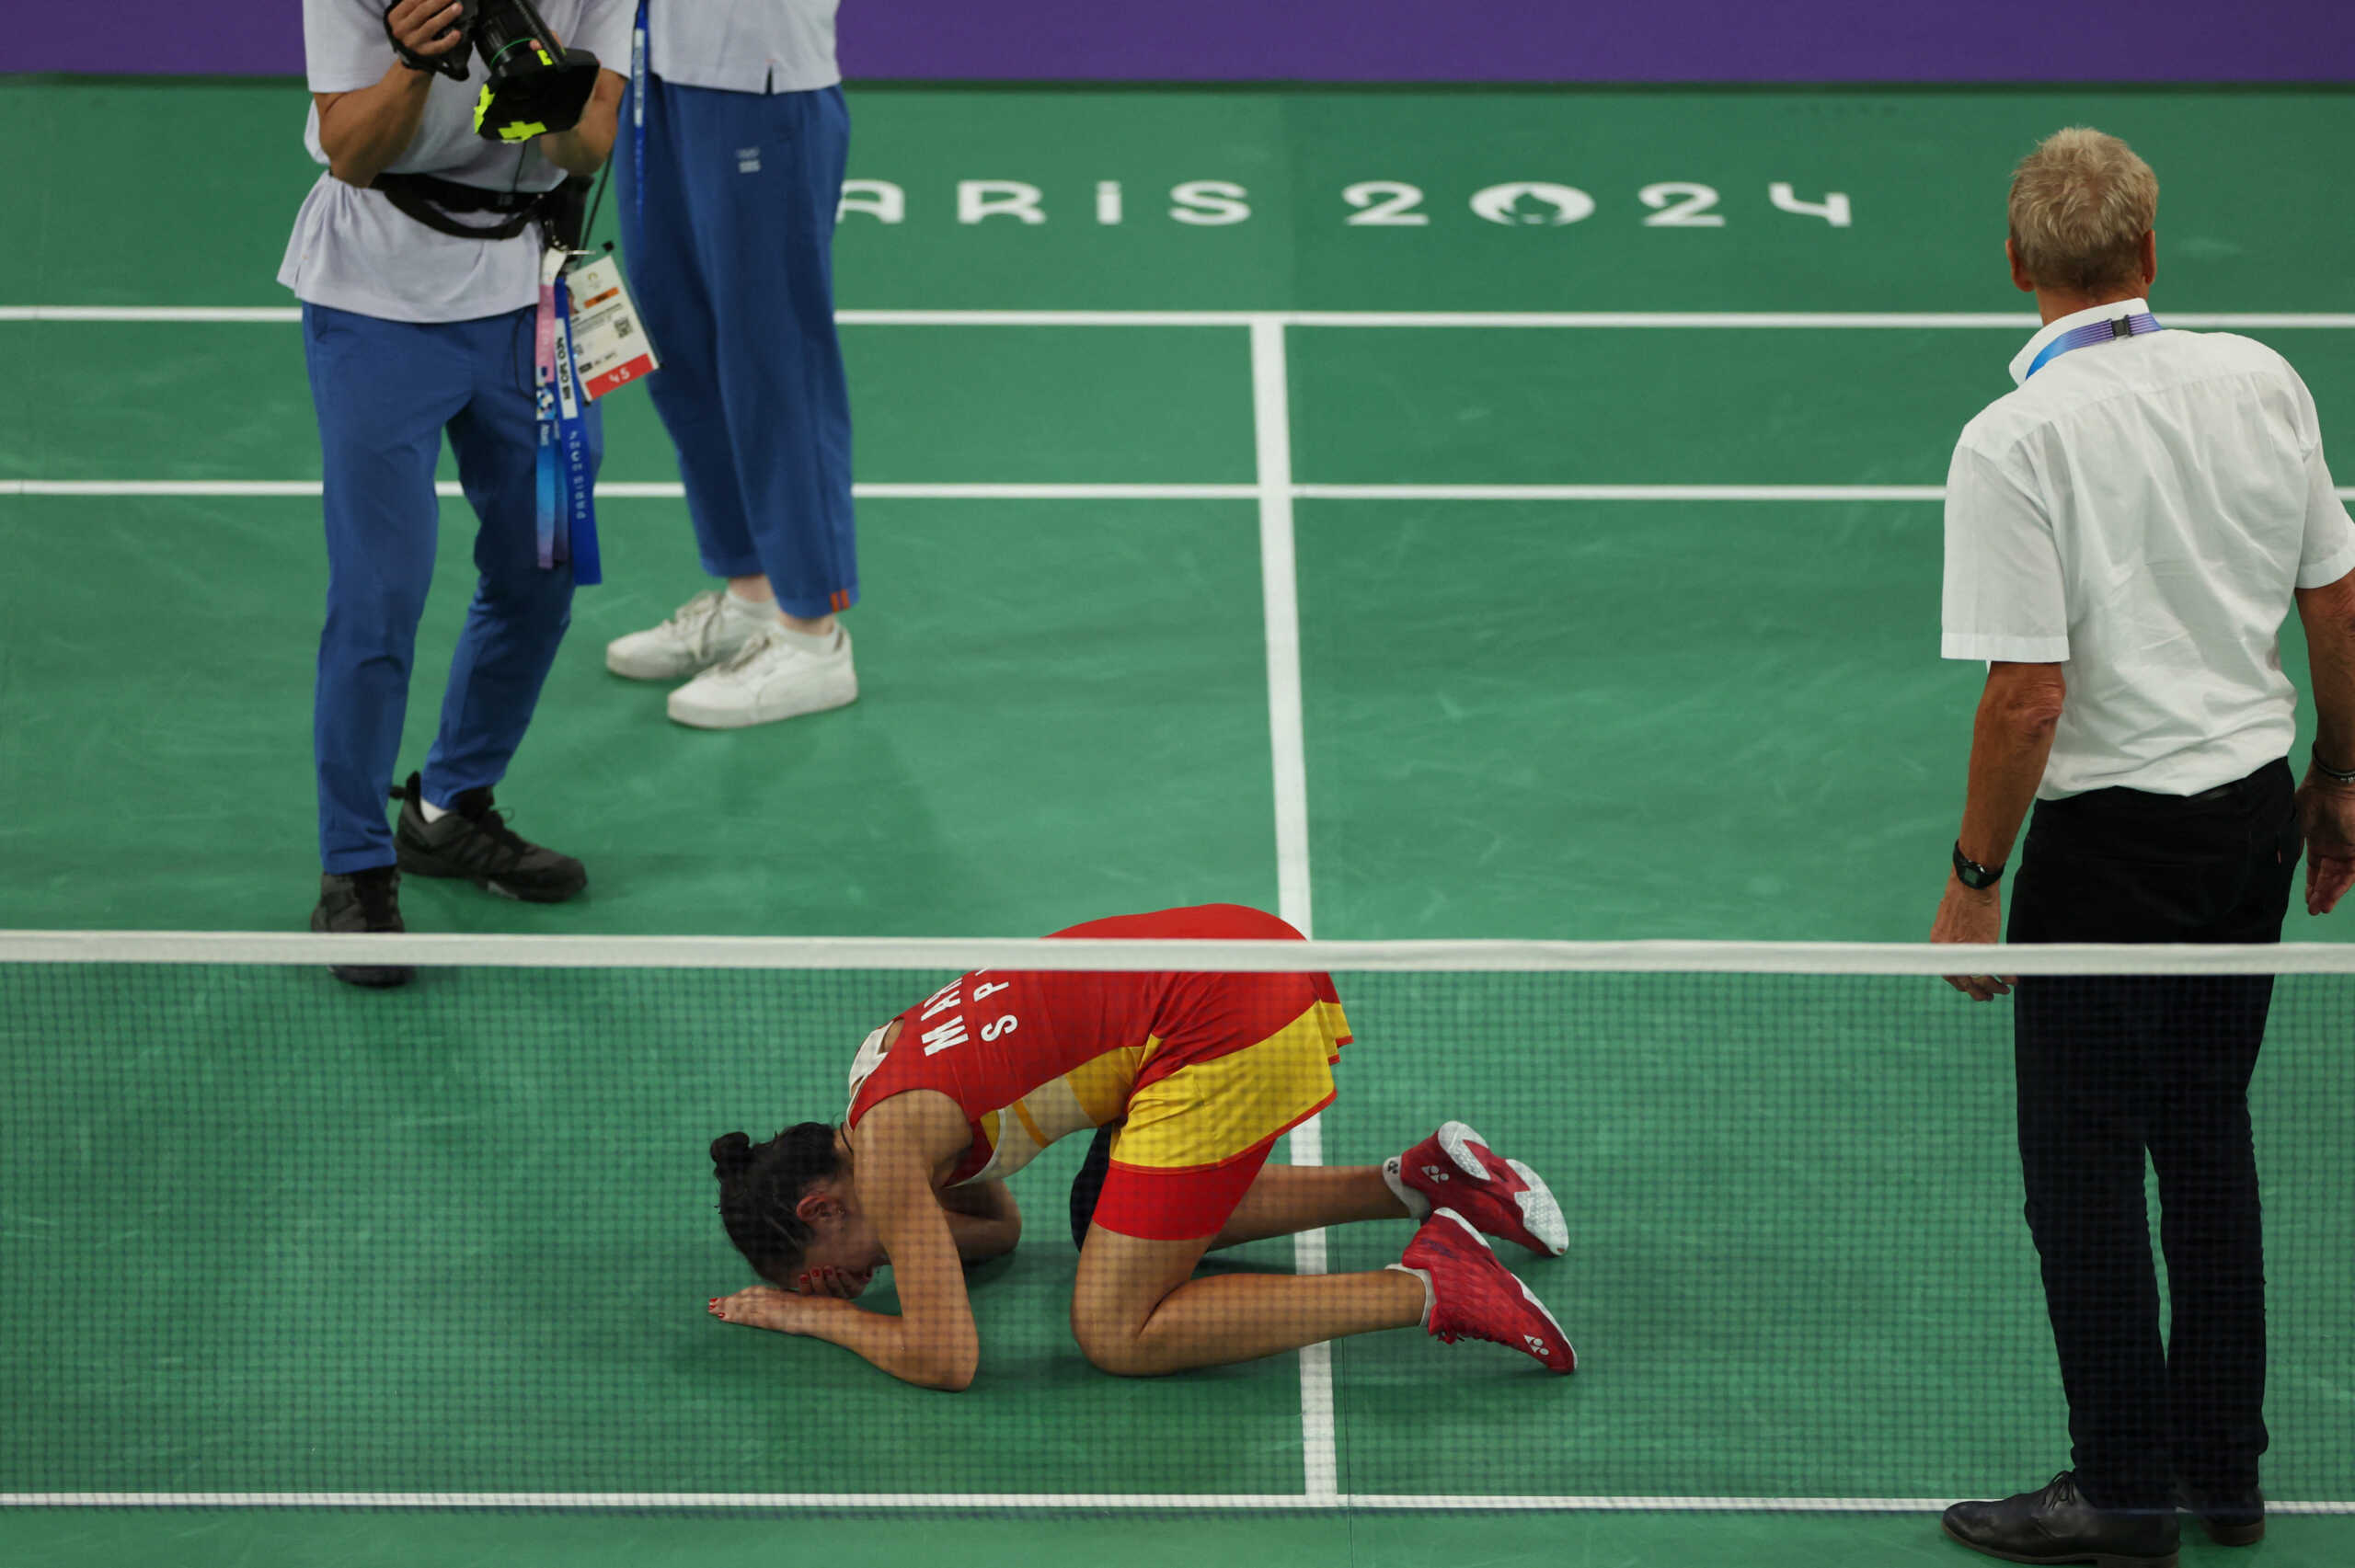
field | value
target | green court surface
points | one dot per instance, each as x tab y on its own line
463	1256
444	1241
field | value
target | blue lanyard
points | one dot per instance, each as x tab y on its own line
2091	333
637	74
566	492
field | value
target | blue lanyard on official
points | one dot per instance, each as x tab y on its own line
2091	333
637	73
567	494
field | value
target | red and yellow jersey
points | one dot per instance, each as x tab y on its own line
1206	1068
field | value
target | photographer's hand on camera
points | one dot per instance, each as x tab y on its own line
584	148
426	29
366	133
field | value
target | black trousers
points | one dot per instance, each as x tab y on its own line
2111	1067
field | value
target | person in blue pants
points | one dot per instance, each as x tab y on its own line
417	257
727	179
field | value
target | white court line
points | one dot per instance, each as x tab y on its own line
1540	320
1280	592
652	490
152	313
671	490
1620	492
985	1501
1909	321
1279	606
986	492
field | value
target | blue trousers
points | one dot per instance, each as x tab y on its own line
385	390
729	241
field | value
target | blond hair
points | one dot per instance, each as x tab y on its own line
2081	204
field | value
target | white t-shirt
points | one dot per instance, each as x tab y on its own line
744	46
353	250
2138	513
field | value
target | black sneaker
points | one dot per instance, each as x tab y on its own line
2232	1518
364	901
2057	1525
475	842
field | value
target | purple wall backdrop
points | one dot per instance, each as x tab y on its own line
1386	41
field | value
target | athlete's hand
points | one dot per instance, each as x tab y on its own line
763	1307
830	1282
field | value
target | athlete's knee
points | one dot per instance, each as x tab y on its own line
1112	1346
1123	1356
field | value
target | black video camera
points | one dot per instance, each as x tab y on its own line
530	88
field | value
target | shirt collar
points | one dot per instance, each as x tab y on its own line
2070	322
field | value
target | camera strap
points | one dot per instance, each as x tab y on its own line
435	203
566	509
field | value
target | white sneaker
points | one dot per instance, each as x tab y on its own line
777	674
704	631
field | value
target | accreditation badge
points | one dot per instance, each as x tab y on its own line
610	348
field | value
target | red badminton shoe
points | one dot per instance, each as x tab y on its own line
1453	1168
1469	1295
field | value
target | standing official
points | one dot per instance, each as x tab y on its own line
731	171
2125	534
418	260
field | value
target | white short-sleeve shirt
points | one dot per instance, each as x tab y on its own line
2138	511
353	250
744	46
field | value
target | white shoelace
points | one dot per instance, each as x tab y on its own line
696	622
755	646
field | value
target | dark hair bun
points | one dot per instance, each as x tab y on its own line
732	1154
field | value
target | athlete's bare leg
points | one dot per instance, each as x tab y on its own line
1137	1310
1284	1200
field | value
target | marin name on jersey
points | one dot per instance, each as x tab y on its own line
941	1025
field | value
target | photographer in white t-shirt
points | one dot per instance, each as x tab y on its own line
410	331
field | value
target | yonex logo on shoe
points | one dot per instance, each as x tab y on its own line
1436	1173
1536	1345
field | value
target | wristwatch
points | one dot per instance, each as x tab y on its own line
1972	874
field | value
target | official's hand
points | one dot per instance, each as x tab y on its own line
2326	818
764	1308
429	27
1967	914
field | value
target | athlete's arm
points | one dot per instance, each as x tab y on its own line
983	1218
932	1342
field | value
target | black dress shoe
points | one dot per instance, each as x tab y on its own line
2057	1525
2231	1518
474	841
364	901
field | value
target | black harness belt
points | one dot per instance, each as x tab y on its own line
440	203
